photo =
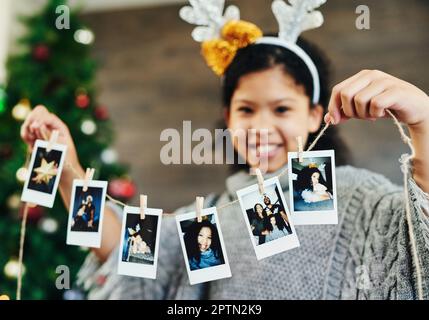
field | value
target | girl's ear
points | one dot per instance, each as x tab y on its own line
226	115
316	117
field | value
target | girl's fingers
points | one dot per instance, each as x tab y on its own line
383	101
362	99
342	105
335	103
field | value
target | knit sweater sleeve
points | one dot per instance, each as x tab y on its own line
373	256
100	280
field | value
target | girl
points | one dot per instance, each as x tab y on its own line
203	245
269	87
316	187
276	229
259	224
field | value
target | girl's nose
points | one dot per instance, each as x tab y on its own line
263	120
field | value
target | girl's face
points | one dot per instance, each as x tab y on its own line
204	238
271	100
259	210
315	178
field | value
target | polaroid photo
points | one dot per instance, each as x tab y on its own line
267	219
138	254
86	214
44	175
203	246
312	188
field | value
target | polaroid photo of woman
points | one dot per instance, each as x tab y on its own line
267	219
203	246
86	214
313	194
44	175
138	254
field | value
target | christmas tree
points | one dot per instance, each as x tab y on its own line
54	68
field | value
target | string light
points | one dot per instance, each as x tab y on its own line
109	156
11	269
21	174
88	127
14	201
84	36
21	110
48	225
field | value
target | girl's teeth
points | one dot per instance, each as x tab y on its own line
267	148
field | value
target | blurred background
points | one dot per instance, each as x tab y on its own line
145	74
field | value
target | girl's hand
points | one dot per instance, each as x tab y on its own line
368	94
39	123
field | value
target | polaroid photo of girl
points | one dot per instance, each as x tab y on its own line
267	219
312	183
86	214
138	254
203	246
44	175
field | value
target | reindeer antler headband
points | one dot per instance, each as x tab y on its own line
222	35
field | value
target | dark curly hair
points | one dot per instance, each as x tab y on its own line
259	57
191	240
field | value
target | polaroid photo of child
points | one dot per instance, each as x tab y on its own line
313	194
203	246
44	175
86	214
267	219
138	254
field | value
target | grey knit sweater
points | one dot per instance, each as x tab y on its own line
366	256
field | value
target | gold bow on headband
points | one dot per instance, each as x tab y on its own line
219	53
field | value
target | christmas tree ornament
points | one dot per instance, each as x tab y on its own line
21	110
101	113
122	188
82	101
34	213
41	53
11	269
13	201
6	151
21	174
84	36
2	100
88	127
109	156
223	34
45	172
48	225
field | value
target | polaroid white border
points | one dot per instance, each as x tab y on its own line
37	197
209	273
82	238
314	217
138	269
275	246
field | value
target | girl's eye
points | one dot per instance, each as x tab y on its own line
282	109
246	110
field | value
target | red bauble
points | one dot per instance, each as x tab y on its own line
34	214
6	151
41	52
122	188
101	113
82	101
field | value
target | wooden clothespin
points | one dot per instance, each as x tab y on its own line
260	181
300	149
143	206
89	175
52	140
199	208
